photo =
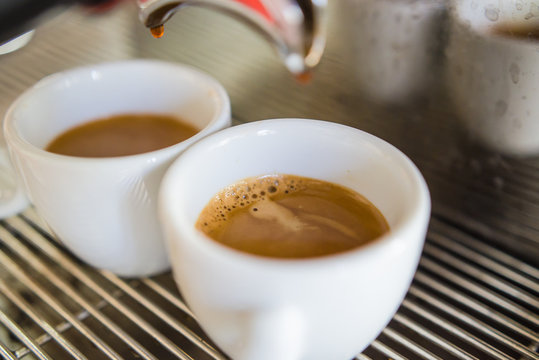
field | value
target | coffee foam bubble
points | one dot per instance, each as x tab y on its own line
246	193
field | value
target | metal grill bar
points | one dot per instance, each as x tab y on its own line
35	262
6	354
456	331
176	325
478	290
27	231
482	276
362	357
168	296
410	344
384	349
61	328
51	331
476	306
16	271
23	337
68	264
485	262
474	323
435	339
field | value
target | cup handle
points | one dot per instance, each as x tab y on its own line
279	330
12	196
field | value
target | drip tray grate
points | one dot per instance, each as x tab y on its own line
468	301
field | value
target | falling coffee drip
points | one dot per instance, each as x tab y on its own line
304	77
299	39
157	31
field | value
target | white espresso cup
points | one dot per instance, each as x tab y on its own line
493	79
265	308
105	209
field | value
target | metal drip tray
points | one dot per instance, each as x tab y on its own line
468	301
475	294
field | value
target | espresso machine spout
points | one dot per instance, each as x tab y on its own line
295	28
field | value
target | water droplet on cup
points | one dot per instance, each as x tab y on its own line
491	13
514	72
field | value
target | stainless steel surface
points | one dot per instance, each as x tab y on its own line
296	29
476	291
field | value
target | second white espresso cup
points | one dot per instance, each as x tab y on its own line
493	77
263	308
104	209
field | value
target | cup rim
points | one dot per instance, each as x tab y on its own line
222	113
420	209
482	31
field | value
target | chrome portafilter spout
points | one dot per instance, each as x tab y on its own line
295	28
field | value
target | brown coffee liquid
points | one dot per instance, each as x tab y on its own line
157	31
288	216
121	135
522	31
304	77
